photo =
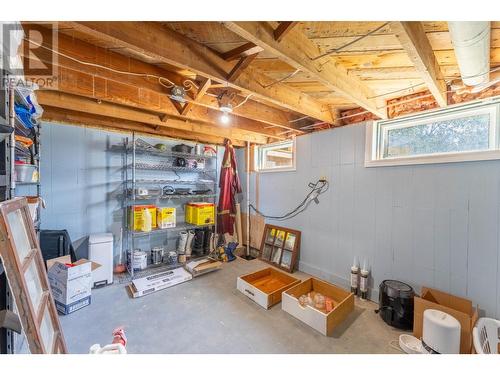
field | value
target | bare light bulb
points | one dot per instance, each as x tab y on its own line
224	118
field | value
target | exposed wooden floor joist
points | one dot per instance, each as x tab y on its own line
414	40
298	51
72	102
164	45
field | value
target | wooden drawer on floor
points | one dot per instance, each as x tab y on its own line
265	286
321	321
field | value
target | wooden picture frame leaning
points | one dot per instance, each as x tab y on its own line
280	247
25	270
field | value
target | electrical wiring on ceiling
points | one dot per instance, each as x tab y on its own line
281	80
299	119
396	91
188	84
334	50
243	102
317	188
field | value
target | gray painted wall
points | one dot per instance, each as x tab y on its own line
80	180
433	225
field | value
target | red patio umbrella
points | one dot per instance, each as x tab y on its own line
229	185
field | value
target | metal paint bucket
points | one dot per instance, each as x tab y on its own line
157	255
171	258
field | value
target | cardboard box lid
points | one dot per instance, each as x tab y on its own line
201	204
65	259
456	303
142	207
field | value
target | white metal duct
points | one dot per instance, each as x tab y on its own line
471	41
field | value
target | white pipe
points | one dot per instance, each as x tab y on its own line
248	199
471	41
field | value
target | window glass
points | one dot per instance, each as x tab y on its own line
277	156
19	233
470	133
33	284
47	331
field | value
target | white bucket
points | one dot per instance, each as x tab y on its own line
26	173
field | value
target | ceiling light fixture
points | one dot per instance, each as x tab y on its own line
178	93
226	110
224	118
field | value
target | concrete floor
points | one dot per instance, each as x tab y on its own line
208	315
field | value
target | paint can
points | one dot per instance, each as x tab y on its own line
138	259
157	255
171	258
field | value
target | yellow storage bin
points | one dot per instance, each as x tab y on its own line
136	216
200	213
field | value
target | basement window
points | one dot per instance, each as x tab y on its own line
276	157
462	133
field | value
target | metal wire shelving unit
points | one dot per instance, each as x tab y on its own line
149	167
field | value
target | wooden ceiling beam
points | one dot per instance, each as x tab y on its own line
412	36
299	52
137	92
283	28
73	102
153	41
252	110
79	83
240	67
202	90
64	116
246	49
147	92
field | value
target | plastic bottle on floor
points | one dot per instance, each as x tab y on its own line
354	276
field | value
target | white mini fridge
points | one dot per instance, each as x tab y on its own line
101	252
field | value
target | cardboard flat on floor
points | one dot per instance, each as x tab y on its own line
203	266
153	283
321	321
460	308
265	286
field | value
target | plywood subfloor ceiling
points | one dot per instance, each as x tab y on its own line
284	78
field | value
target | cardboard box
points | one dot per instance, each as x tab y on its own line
153	283
165	217
321	321
460	308
136	216
265	286
71	286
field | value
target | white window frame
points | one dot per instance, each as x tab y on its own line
377	131
259	152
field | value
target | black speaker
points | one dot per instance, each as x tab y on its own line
396	304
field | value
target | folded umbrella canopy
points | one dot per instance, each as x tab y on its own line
229	185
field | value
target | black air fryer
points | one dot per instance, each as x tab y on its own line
396	304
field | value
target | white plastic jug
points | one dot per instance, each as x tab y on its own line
147	220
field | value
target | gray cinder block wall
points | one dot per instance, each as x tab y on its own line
434	225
